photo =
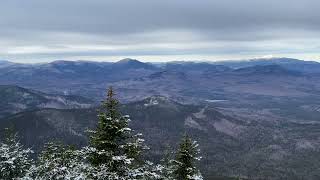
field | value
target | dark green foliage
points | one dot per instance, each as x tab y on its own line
113	140
57	151
10	137
54	161
186	158
14	159
166	163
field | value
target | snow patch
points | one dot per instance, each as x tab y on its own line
200	114
190	122
304	144
152	102
228	127
215	100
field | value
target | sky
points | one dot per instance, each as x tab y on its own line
158	30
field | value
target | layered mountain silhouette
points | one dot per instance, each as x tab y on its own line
15	99
248	116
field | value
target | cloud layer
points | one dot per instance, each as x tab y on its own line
37	30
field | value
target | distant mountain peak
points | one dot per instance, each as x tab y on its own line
133	63
129	60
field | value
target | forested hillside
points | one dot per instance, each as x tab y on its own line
114	151
230	145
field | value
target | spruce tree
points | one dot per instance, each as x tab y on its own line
166	164
114	143
56	161
184	165
14	159
60	162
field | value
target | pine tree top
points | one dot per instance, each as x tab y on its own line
113	139
186	158
111	104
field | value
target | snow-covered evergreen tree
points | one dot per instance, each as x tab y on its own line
60	162
114	153
166	168
184	165
14	159
114	144
54	162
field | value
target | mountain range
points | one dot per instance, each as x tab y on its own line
90	79
289	63
256	118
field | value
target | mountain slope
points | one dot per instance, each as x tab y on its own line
289	63
82	78
162	121
14	99
128	63
230	145
266	70
4	63
193	67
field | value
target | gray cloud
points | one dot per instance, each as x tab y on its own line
45	30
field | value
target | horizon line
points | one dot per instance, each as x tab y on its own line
164	61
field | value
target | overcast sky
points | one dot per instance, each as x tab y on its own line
158	30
